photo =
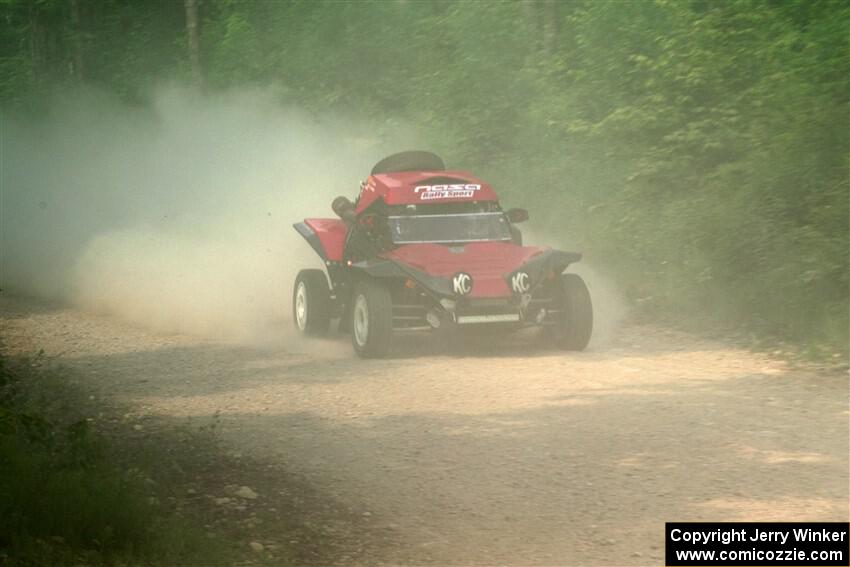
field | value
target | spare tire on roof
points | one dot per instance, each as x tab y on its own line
410	161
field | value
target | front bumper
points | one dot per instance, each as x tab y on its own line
488	318
484	311
507	313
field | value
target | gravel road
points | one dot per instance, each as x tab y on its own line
505	454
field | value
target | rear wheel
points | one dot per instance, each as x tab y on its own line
371	319
575	321
311	302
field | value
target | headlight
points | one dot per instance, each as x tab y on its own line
520	282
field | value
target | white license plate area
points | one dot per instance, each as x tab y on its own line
497	318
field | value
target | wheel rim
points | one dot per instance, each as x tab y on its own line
361	320
301	306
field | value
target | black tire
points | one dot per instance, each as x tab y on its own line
410	161
372	301
575	321
315	318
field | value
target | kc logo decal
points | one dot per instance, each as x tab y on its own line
462	283
520	282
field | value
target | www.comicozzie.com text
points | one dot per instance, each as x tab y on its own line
743	534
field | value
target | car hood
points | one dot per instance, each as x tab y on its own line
488	263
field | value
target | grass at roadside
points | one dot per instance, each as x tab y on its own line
65	499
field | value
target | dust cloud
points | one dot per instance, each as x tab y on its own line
610	307
176	216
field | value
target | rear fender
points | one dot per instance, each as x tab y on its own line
325	236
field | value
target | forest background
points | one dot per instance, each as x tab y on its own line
697	151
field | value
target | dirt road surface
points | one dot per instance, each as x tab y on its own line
503	455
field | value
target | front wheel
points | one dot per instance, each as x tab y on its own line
575	321
371	320
311	303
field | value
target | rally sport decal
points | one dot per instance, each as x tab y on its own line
452	191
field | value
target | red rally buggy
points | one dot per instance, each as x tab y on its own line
426	249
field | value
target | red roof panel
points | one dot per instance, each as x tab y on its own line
432	187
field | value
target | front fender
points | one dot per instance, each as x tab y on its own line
383	268
540	266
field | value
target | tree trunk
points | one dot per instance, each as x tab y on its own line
550	27
36	48
530	13
77	69
194	42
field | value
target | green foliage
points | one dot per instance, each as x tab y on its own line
697	149
61	500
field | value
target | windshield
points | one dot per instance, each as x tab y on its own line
460	227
